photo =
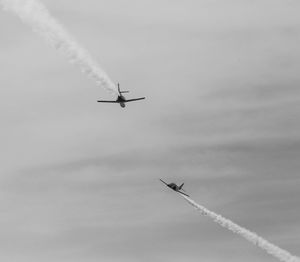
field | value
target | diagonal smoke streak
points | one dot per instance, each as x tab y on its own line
270	248
35	14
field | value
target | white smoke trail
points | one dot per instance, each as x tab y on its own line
270	248
35	14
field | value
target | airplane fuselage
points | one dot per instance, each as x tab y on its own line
173	186
121	100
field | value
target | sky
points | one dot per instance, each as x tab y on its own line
79	180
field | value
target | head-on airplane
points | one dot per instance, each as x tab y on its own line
175	187
121	99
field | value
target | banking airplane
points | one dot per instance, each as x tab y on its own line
175	187
121	99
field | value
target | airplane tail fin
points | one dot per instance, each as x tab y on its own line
121	92
180	187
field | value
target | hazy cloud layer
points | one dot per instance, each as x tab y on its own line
79	180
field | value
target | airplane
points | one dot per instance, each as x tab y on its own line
175	187
121	99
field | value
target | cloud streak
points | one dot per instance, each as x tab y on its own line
270	248
36	15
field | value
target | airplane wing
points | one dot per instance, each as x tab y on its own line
183	193
134	99
163	182
107	101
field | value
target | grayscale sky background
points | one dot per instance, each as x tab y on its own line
79	179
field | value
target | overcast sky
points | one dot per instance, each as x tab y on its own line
79	179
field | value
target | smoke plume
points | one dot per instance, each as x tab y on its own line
270	248
35	14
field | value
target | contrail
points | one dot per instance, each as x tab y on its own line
270	248
36	15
